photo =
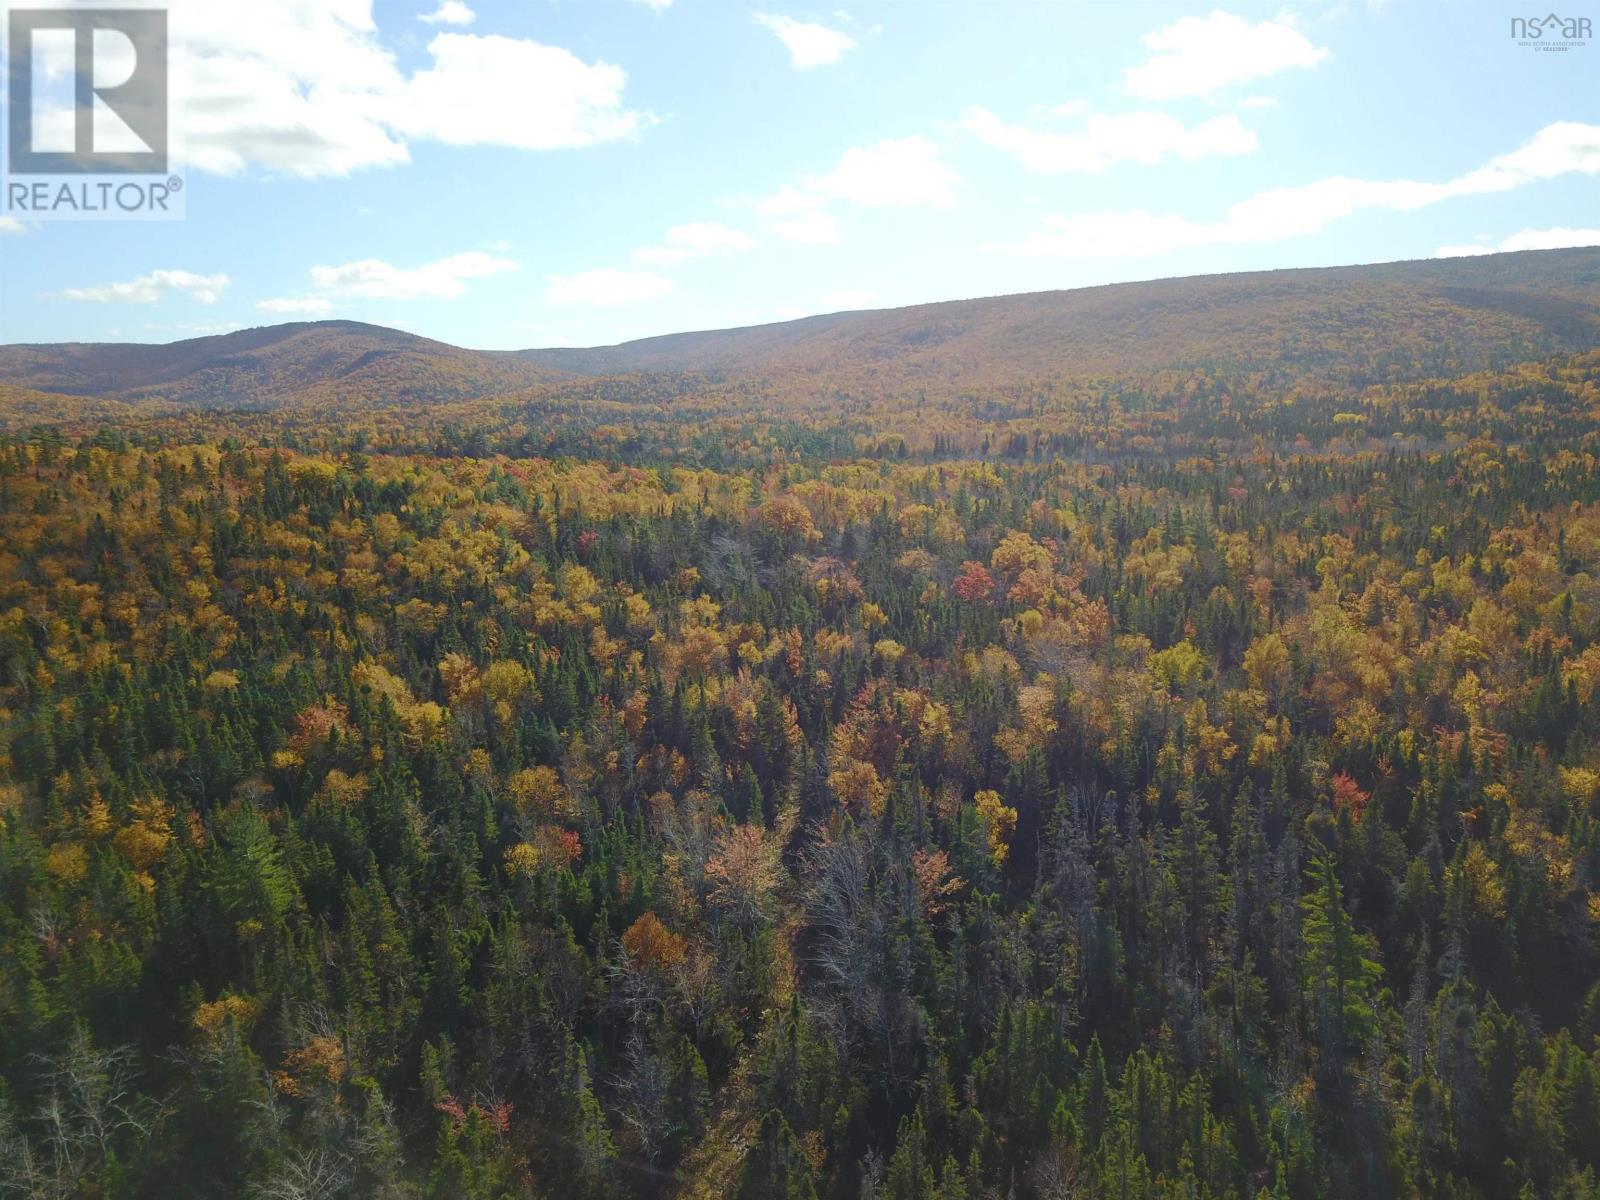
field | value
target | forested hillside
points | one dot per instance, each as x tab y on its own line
1341	327
1173	783
1353	325
346	363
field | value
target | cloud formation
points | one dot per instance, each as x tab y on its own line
1140	137
1196	56
1559	238
449	12
307	88
147	289
1562	148
809	44
799	217
375	279
893	173
697	239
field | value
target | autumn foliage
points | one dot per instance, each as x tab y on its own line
1152	784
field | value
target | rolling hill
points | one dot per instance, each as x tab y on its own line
1339	326
322	362
1427	317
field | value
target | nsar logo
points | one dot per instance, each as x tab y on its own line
1551	32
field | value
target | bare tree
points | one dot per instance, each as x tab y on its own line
89	1106
309	1174
642	1089
865	972
1056	1172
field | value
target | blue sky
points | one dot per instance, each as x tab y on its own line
514	173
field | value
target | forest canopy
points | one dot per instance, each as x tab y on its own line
1181	784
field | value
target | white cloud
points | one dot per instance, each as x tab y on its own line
1558	149
809	44
658	5
1143	137
606	287
10	225
504	91
1259	102
313	306
297	87
893	173
1195	56
1559	238
788	200
698	239
1566	147
307	88
374	279
799	217
147	289
449	12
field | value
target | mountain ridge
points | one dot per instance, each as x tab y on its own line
1556	290
300	361
1348	325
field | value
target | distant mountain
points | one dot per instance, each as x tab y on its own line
1336	326
1351	323
330	362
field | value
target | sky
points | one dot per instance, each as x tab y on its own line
503	174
